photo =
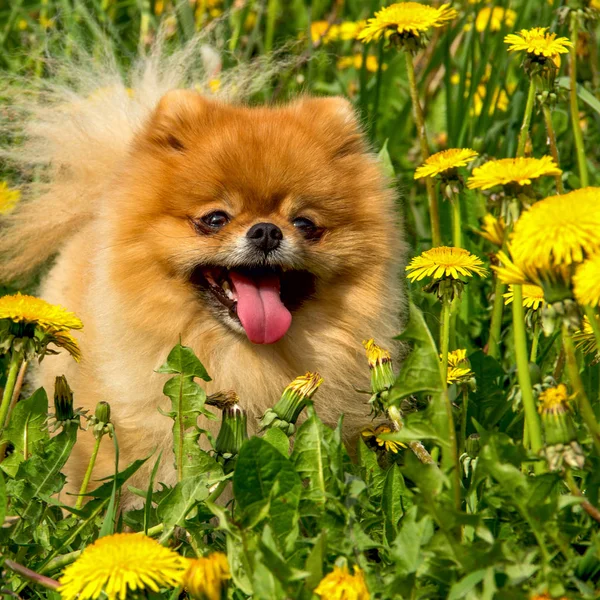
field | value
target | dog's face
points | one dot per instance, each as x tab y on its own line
253	214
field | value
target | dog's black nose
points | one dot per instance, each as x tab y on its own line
266	236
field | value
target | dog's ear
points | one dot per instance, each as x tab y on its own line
336	118
177	115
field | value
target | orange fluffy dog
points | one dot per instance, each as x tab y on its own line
264	237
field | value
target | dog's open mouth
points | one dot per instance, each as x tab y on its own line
262	299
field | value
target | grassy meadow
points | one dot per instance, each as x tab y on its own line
485	483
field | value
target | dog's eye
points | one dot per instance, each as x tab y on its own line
216	220
307	228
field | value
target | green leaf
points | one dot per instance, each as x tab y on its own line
466	584
314	561
586	96
276	437
40	474
175	507
183	361
263	476
417	427
372	473
420	371
392	502
26	428
407	550
386	161
104	491
148	505
310	456
187	404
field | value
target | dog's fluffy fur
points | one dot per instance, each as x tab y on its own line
127	180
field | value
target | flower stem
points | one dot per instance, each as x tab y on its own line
88	473
496	324
590	313
463	418
50	584
520	341
449	455
587	412
553	147
526	120
589	508
577	133
457	240
13	370
434	213
272	8
536	341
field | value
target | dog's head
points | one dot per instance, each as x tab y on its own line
253	213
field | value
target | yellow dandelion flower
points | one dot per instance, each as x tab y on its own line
9	198
318	29
119	563
348	30
586	282
22	25
585	339
495	16
537	42
459	368
347	62
373	434
406	19
507	171
445	161
21	308
445	261
558	231
533	296
205	578
304	386
492	229
554	401
499	101
340	585
511	274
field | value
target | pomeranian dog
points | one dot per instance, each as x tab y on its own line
265	238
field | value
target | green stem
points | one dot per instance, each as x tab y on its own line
60	562
13	371
457	240
553	147
585	407
434	211
450	455
496	324
590	313
526	119
535	342
463	418
272	8
520	341
378	81
88	473
577	133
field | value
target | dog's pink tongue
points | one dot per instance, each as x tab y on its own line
259	307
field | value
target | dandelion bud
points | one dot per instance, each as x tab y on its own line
63	400
206	577
233	432
555	410
472	445
293	400
380	364
100	421
103	412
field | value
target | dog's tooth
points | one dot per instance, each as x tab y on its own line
227	289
